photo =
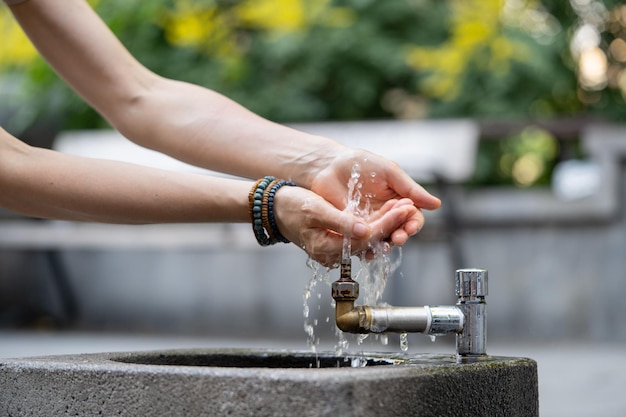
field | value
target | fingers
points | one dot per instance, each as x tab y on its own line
396	225
399	237
405	186
318	227
342	222
324	247
387	206
408	221
418	195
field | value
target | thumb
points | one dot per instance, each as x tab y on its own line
359	229
344	222
353	226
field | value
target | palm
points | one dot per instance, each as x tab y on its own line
383	185
333	182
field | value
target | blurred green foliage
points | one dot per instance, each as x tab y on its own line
307	60
293	60
525	158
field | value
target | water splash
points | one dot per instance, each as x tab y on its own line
342	343
358	362
404	342
372	272
319	275
354	200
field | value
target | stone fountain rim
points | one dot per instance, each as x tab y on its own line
110	363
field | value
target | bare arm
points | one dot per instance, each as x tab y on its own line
44	183
198	125
188	122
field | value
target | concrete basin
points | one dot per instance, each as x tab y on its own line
227	382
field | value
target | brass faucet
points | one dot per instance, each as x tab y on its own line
467	319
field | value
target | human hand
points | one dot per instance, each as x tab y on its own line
381	181
318	227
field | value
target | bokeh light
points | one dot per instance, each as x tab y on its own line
598	46
527	156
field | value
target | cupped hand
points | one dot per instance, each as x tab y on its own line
381	181
318	227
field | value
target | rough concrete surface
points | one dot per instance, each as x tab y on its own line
253	383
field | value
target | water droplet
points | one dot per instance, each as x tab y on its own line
310	336
404	342
358	362
433	338
342	344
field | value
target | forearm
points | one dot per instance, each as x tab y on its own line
44	183
188	122
204	128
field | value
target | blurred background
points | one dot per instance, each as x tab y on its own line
535	91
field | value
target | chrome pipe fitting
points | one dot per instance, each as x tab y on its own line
445	320
436	321
467	319
396	319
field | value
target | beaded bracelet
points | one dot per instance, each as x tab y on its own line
273	229
255	200
261	210
265	208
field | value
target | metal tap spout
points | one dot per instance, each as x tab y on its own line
345	291
467	319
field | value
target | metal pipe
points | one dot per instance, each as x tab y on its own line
467	319
396	319
437	321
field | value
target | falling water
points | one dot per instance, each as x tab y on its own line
354	200
310	323
404	342
371	273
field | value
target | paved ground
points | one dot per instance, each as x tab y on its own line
575	379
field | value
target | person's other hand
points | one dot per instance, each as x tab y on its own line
382	181
318	227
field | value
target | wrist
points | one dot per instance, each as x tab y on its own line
305	168
261	209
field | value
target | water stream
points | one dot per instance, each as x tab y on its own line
372	275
